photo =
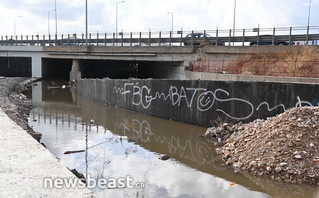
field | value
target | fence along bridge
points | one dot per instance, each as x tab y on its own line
271	36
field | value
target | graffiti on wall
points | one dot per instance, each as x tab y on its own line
200	98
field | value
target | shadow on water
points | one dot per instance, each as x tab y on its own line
117	143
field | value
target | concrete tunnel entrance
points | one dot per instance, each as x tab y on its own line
56	68
115	69
129	69
15	66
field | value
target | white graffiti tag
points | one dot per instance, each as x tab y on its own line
200	98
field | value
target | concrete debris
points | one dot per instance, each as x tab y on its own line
284	147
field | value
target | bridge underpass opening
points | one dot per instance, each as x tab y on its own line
56	68
163	70
117	69
15	66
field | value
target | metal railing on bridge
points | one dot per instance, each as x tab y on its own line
241	37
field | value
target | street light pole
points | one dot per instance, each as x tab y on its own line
308	20
172	20
14	28
116	12
86	22
234	23
56	18
49	21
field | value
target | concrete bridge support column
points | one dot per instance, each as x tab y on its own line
36	65
76	73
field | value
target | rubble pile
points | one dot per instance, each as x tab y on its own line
284	147
223	132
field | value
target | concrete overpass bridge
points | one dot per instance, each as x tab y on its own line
170	62
95	61
134	55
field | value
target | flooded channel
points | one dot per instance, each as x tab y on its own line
164	158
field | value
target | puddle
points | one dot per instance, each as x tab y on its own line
106	142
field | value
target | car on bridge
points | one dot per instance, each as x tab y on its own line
268	40
196	39
71	41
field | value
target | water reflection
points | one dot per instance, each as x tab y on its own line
109	142
178	140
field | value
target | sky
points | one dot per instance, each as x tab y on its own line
145	15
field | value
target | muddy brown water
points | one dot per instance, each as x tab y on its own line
111	143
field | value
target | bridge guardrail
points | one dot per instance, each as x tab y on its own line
176	38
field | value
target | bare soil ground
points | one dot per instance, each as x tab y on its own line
296	63
15	104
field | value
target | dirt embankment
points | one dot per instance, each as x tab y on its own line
284	147
299	63
15	104
303	62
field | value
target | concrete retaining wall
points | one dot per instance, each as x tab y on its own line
200	102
